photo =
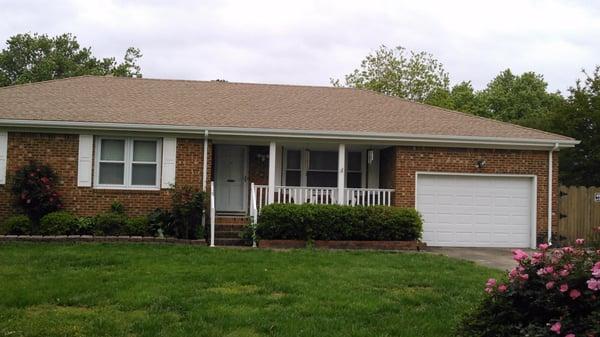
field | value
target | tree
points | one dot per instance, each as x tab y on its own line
391	71
33	58
462	97
580	119
520	99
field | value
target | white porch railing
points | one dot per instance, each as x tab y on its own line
212	213
319	195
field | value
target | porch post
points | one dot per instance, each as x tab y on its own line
341	173
272	161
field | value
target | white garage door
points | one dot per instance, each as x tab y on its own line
475	211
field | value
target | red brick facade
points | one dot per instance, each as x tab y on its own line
409	160
60	151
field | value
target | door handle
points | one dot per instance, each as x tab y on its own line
231	180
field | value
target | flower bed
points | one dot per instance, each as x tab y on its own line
550	293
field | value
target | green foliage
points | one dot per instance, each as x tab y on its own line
186	216
109	223
117	207
159	221
16	225
336	222
138	226
34	192
85	225
391	71
58	223
580	119
37	57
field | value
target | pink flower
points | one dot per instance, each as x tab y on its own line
593	284
513	273
556	328
580	241
502	288
488	290
574	293
596	269
550	285
564	287
537	257
570	335
568	250
541	272
491	282
524	277
549	270
519	255
543	246
563	273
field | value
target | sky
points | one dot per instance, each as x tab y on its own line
309	42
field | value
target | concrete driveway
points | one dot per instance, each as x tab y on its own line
499	258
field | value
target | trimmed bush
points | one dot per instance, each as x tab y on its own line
138	226
16	225
550	293
58	223
109	223
336	222
85	225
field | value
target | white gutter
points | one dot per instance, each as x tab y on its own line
289	133
550	192
204	160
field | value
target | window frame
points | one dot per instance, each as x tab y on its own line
128	163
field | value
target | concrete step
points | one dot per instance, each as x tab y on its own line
230	242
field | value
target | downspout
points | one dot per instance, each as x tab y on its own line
550	164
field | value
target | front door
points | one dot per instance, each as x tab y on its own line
230	178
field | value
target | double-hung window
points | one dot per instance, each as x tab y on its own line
131	163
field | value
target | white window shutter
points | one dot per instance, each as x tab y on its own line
84	164
169	159
3	156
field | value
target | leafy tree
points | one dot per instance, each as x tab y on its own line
580	119
33	58
413	76
462	97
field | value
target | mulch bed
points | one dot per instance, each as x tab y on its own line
375	245
93	238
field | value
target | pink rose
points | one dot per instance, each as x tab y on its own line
564	287
570	335
550	285
549	270
491	282
563	273
519	255
580	241
574	293
488	290
556	328
568	250
502	288
524	277
543	246
593	284
596	269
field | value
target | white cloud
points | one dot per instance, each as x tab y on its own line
307	42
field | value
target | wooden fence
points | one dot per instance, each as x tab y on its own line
579	212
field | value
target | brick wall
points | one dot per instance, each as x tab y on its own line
409	160
60	151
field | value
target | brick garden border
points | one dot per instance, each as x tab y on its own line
345	244
93	238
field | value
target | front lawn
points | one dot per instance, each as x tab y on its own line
174	290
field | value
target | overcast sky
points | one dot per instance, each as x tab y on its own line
308	42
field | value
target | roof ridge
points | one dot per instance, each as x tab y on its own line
467	114
20	85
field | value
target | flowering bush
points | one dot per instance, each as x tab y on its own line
550	293
33	188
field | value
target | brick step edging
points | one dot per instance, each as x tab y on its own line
92	238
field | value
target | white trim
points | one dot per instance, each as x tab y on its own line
169	162
533	205
128	162
204	161
341	185
550	192
3	156
85	160
272	167
288	133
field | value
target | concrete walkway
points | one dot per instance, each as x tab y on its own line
499	258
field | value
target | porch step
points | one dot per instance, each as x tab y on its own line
228	228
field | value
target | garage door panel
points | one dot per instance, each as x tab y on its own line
471	211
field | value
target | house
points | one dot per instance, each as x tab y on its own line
477	182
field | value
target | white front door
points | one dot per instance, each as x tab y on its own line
476	211
230	178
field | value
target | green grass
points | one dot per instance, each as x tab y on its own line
173	290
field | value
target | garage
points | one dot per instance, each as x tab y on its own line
468	210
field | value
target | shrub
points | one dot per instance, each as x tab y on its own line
109	223
336	222
34	191
58	223
159	220
85	225
186	216
137	226
16	225
551	293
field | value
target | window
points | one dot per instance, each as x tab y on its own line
293	169
354	170
128	163
322	169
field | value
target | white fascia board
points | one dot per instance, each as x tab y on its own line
431	140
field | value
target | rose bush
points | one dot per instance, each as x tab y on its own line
34	191
553	292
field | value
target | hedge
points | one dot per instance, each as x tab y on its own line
337	222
